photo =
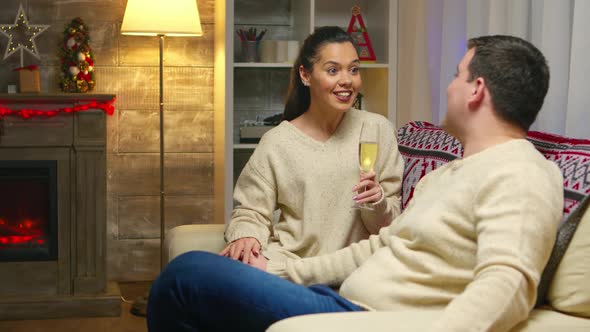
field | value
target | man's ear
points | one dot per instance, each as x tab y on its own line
304	75
478	93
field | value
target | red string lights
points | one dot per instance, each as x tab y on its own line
107	107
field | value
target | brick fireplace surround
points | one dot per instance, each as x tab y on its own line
73	285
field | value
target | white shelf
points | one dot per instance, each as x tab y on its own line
262	65
245	146
374	65
289	65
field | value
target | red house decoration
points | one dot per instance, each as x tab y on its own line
358	31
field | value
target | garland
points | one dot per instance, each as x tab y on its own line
106	107
77	61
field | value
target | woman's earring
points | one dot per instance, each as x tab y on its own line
306	83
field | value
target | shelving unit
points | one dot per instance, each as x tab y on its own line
258	89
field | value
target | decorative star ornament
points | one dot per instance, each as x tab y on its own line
21	35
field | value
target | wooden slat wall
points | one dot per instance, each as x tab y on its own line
128	67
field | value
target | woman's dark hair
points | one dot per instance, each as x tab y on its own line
298	97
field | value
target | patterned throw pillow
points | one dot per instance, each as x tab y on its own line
426	147
573	158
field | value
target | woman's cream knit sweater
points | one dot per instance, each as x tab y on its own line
311	183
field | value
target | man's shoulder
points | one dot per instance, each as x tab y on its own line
523	158
525	167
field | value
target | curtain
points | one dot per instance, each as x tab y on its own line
432	36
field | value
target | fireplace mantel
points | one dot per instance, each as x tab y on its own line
52	97
75	284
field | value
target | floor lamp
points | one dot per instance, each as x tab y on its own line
173	18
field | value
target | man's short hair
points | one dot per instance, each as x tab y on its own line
516	74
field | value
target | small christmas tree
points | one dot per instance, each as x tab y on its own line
77	61
360	37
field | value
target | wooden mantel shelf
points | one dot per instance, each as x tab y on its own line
53	97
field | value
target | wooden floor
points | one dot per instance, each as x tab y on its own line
125	323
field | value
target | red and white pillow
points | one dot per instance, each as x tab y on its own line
426	147
573	158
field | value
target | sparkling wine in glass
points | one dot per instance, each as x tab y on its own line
367	156
368	149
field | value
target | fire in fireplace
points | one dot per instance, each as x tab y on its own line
28	210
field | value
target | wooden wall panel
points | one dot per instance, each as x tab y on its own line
128	67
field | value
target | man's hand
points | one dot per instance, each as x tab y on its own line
245	249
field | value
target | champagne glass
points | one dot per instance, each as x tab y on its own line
368	148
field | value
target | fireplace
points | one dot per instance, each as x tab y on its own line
28	210
53	210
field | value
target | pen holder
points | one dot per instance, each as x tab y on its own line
250	51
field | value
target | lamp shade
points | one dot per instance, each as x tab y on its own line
162	17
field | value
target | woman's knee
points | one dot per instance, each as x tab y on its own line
191	258
185	267
189	265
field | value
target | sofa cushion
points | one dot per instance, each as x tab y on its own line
569	290
425	147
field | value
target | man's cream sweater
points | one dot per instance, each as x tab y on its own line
311	183
473	240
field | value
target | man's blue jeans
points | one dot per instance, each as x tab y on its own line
200	291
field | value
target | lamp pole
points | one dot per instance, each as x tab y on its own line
160	18
162	218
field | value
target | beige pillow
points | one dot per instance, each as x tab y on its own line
569	290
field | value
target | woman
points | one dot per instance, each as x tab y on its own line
308	167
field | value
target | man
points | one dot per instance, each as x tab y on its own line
472	242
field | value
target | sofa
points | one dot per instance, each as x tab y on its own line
564	291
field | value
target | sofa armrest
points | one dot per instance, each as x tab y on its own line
540	320
398	321
193	237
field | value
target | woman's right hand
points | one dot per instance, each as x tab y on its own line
246	249
371	191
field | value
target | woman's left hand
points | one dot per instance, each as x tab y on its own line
368	190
